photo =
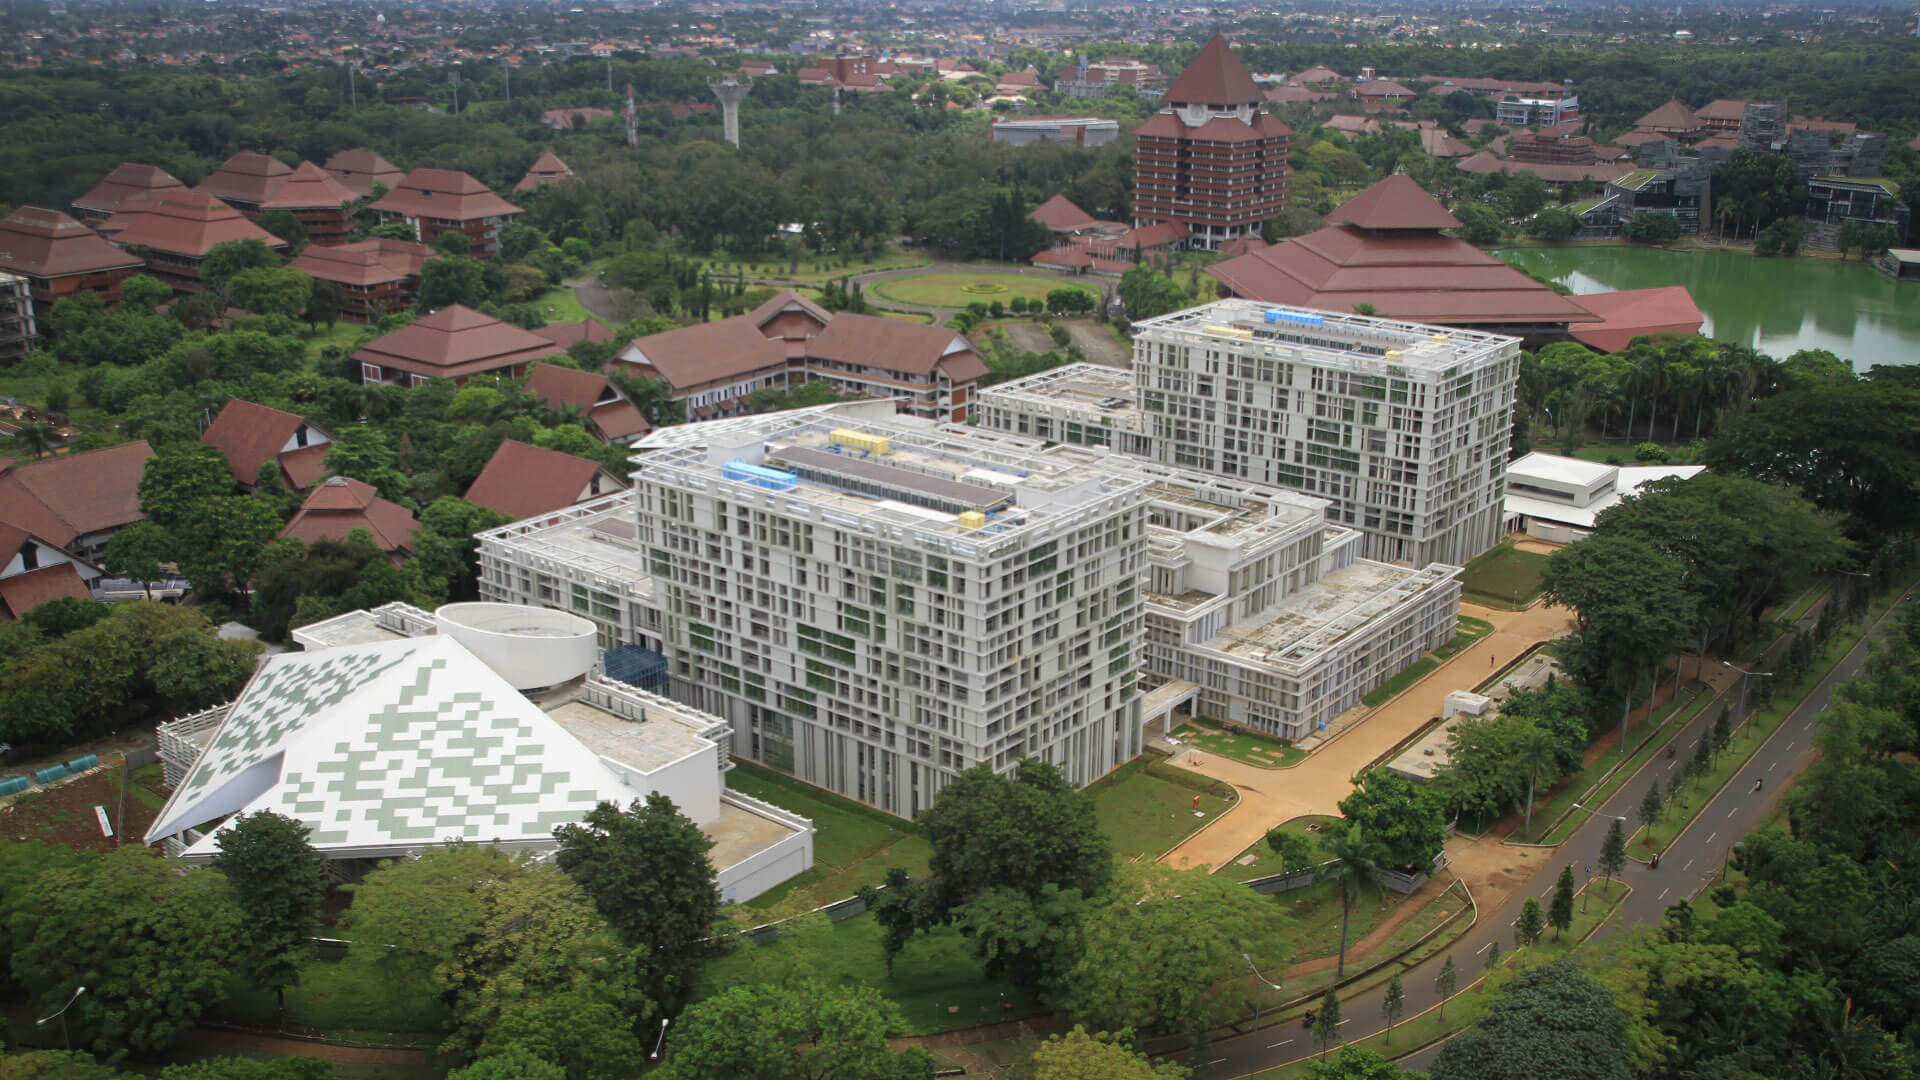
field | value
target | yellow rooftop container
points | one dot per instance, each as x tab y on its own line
860	440
973	519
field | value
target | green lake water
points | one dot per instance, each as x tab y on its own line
1778	306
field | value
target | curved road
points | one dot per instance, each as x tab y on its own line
1686	866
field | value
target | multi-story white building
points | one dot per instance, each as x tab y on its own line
1403	428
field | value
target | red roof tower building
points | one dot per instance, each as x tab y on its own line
1210	159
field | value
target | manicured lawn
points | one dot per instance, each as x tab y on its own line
1249	747
903	316
1471	630
1503	577
559	305
359	992
1430	917
1413	673
959	290
935	982
1146	805
813	267
1264	861
853	845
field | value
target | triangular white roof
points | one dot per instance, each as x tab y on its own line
390	745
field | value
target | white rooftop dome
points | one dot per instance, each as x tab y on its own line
530	647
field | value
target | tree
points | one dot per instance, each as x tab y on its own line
1148	292
648	871
1651	227
1354	1063
1553	1022
143	292
1532	921
453	243
1613	850
456	279
1553	226
892	910
1633	609
38	436
517	1064
1492	962
234	1068
276	290
1445	983
283	224
1525	194
1077	1055
1393	1004
1295	851
153	947
324	303
221	542
1480	225
178	481
278	880
1783	237
1327	1019
771	1033
1560	913
1405	818
1650	805
1360	871
225	260
55	1065
1536	751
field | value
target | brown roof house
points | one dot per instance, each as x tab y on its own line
359	170
377	276
317	201
341	504
455	343
1672	119
571	119
244	181
436	201
711	368
547	169
60	257
180	228
604	410
127	178
251	435
1061	215
1384	247
75	502
523	481
34	571
565	334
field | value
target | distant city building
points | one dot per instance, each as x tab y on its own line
1682	191
1095	79
1763	125
1080	131
1529	112
1868	200
19	331
573	119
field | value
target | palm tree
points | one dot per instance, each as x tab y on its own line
1360	857
1538	752
38	436
372	400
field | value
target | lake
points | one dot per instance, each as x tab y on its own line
1778	306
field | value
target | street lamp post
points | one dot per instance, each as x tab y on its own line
655	1056
62	1014
1260	983
1739	710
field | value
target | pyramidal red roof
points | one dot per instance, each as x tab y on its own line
190	223
1215	77
127	178
309	187
1398	202
246	178
47	243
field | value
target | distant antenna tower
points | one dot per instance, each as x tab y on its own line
731	89
633	121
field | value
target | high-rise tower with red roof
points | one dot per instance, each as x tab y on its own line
1210	159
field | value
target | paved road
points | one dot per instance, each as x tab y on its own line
1684	869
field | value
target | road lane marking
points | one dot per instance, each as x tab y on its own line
1278	1045
1348	1020
1482	949
1684	868
1216	1061
1771	767
1710	839
1733	811
1663	894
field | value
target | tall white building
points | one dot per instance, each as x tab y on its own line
1403	428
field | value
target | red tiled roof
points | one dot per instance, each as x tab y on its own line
245	178
1294	95
546	169
523	481
191	223
1074	257
1631	313
127	178
1214	77
705	352
1672	116
364	262
22	593
1436	142
1153	236
1314	75
896	345
456	341
304	467
47	243
1484	163
555	385
1241	246
1168	125
1723	109
1061	214
71	495
341	504
250	435
359	170
446	194
787	300
1398	202
562	119
309	187
1381	88
565	334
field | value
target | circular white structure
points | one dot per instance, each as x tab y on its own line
530	647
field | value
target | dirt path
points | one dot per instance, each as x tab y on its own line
272	1044
1100	344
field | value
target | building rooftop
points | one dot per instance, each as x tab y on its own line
1330	338
47	243
1092	390
127	179
1299	630
191	223
1215	76
598	538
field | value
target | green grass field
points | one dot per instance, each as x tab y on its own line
812	267
853	845
959	290
1409	675
559	305
360	992
1265	862
1249	747
1146	806
1504	577
1471	630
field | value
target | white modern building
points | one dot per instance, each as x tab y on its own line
397	730
1558	499
1403	428
1077	130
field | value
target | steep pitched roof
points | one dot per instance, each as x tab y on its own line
787	300
1630	313
1672	116
250	435
190	223
356	263
1061	214
455	341
896	345
47	243
1722	109
309	187
359	170
523	481
127	178
22	593
546	169
1398	202
1214	77
246	178
443	193
341	504
615	418
565	334
71	495
705	352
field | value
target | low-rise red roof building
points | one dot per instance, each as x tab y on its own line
341	504
603	409
250	435
180	228
377	276
1634	313
455	343
1061	215
359	170
1672	119
127	179
565	334
523	481
244	181
60	257
75	502
317	201
546	169
572	119
436	201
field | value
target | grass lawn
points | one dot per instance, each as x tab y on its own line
1504	577
145	781
1435	913
904	316
1249	747
1264	861
1146	805
341	335
853	845
813	267
1385	692
936	982
361	992
559	305
1548	816
959	290
1677	453
1471	630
